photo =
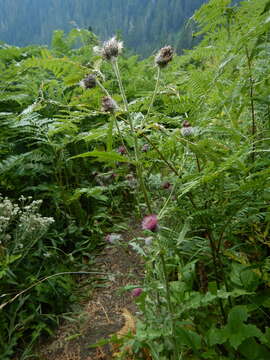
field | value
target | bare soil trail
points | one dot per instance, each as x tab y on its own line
106	312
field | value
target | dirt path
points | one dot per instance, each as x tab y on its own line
106	312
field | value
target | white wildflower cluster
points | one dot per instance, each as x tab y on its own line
35	222
32	221
8	212
22	220
113	238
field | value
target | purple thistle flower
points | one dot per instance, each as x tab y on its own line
166	185
164	56
122	150
110	49
145	148
150	222
137	292
89	82
187	129
108	104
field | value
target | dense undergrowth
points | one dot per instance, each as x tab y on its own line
188	143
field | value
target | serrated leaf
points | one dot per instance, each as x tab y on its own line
104	156
216	336
95	192
92	135
189	338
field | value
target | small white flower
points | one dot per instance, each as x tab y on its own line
148	241
113	238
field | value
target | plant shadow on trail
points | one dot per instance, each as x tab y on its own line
106	313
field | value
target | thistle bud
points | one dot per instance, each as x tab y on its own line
164	56
150	222
89	82
166	185
110	49
145	148
122	150
136	292
187	129
132	182
108	104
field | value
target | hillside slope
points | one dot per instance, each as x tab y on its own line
144	24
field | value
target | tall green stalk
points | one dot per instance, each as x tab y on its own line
136	148
251	96
153	97
120	134
168	300
102	87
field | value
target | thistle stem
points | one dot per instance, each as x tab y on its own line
215	262
153	97
161	155
136	149
169	304
120	134
102	88
251	95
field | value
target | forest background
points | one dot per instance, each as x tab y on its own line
144	25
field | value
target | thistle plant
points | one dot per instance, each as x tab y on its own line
110	51
162	59
108	104
150	223
88	82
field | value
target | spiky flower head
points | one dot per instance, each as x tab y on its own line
145	148
137	292
89	82
166	185
187	129
110	49
164	56
122	150
150	222
108	104
132	182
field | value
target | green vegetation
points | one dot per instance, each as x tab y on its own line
184	143
143	24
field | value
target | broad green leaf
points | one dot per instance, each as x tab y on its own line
245	332
103	156
92	135
95	192
252	350
236	317
189	338
216	336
